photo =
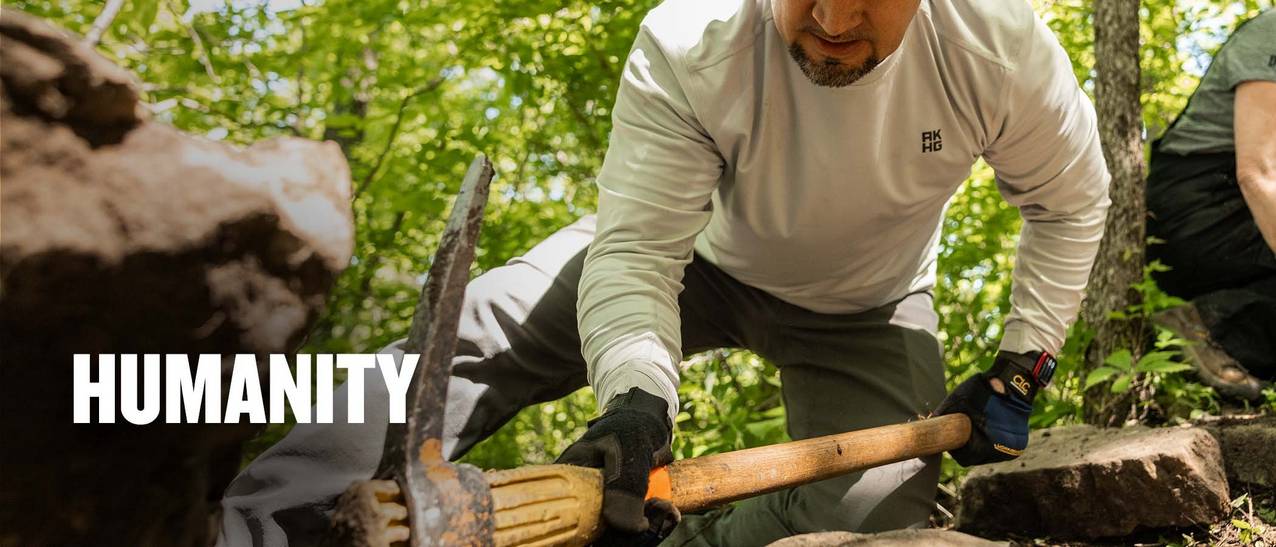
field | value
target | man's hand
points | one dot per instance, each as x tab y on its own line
998	403
626	442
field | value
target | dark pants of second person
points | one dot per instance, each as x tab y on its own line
1218	257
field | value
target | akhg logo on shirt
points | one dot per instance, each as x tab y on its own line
931	141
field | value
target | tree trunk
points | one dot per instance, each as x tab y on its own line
1119	264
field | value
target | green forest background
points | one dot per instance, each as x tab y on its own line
412	91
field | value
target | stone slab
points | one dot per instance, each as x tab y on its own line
1249	448
1085	482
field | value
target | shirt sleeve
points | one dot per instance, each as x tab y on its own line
654	193
1250	55
1049	164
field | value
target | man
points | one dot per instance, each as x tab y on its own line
1212	200
775	180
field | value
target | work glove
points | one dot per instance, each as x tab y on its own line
629	440
999	420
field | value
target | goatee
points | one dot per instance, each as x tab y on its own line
831	72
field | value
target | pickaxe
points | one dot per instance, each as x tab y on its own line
441	502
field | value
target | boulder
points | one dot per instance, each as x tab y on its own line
1084	482
122	235
896	538
1249	448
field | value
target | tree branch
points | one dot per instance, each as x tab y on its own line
103	22
199	44
394	134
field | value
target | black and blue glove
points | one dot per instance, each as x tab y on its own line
629	440
999	418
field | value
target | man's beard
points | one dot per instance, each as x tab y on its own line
830	73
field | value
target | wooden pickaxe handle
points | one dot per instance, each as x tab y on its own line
544	505
708	481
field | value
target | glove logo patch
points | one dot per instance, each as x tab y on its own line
1020	384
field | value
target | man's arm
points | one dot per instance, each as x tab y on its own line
653	199
1045	151
1050	165
1255	134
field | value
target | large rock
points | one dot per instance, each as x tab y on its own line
1249	448
1083	482
896	538
121	235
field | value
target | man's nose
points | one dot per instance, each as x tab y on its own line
836	17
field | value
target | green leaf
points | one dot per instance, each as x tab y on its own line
1119	359
1098	376
1241	524
1122	384
1165	338
1160	361
146	12
774	412
1163	367
764	428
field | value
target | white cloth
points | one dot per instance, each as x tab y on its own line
831	198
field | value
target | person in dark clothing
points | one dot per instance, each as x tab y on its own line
1211	200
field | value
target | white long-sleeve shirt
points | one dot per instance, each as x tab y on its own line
831	198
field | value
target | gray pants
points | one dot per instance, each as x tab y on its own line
519	346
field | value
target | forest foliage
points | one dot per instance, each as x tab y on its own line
413	90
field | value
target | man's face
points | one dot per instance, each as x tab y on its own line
836	42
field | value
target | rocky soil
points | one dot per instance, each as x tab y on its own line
122	235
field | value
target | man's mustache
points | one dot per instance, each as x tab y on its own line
844	37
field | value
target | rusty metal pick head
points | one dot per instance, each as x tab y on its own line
433	332
446	504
